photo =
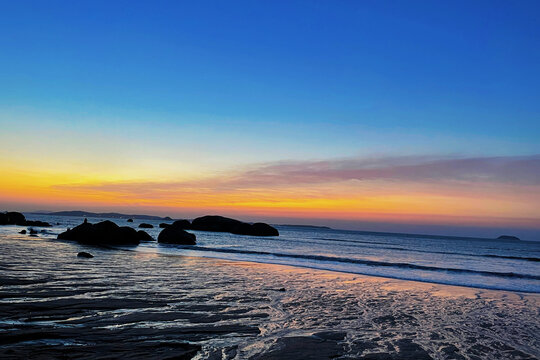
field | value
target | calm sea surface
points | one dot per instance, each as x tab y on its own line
482	263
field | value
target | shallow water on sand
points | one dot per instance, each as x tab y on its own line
141	304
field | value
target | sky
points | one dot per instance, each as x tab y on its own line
413	116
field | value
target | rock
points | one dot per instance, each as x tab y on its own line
182	224
12	218
22	232
175	235
32	231
167	218
84	254
223	224
102	233
16	218
164	225
146	226
262	229
144	236
129	220
508	237
37	223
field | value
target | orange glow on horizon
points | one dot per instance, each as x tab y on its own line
342	201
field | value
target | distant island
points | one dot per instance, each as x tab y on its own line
105	215
508	237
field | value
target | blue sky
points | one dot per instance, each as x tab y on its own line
171	90
465	69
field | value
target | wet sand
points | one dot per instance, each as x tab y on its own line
131	304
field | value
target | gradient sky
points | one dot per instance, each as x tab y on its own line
416	116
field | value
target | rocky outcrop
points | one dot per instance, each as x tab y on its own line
129	220
144	236
146	226
16	218
176	235
12	218
223	224
262	229
164	225
102	233
182	224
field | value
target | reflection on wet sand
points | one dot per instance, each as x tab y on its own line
124	303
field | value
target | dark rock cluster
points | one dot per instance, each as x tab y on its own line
104	233
223	224
174	234
16	218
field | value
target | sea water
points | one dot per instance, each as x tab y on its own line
474	262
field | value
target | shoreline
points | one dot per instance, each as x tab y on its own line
206	308
524	292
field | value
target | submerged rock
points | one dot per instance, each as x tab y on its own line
129	220
223	224
176	235
164	225
84	254
32	231
22	232
146	226
102	233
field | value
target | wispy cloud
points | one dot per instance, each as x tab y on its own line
515	170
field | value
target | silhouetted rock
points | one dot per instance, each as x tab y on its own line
32	231
144	236
175	235
129	220
37	223
12	218
102	233
167	218
22	232
164	225
182	224
508	237
146	226
16	218
223	224
84	254
262	229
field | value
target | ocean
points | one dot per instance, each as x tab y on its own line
472	262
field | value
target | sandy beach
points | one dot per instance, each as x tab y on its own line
125	303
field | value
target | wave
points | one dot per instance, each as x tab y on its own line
523	258
365	262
